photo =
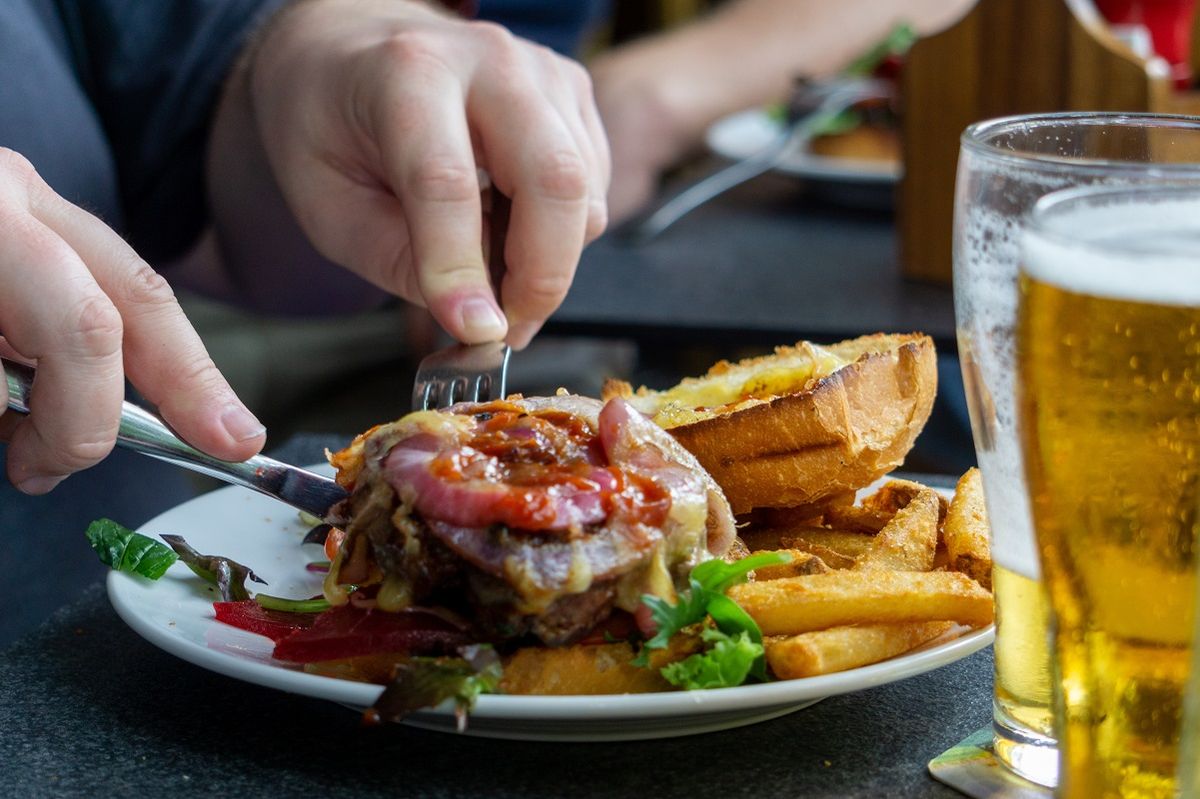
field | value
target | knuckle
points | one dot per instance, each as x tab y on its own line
76	455
96	326
562	175
199	373
17	166
497	38
444	179
408	50
437	285
506	57
146	287
17	224
597	220
546	290
579	77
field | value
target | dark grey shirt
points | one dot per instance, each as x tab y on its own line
111	99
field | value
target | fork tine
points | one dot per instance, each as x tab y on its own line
459	374
452	391
424	394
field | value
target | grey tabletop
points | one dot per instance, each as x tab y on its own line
764	264
88	708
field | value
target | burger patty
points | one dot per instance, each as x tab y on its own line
437	575
534	518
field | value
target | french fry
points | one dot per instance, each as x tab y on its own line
591	668
896	494
801	563
818	601
831	558
809	514
966	531
845	542
857	519
760	538
909	541
841	648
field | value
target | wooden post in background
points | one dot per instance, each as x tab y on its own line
1004	57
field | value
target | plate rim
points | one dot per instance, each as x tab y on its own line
124	589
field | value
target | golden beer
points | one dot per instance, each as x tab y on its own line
1109	354
1023	695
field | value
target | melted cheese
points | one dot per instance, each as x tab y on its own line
732	387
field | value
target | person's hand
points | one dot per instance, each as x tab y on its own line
645	95
377	116
81	305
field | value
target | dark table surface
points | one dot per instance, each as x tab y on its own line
88	708
765	264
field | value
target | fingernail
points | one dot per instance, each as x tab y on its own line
241	424
481	321
38	485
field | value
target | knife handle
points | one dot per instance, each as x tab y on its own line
145	432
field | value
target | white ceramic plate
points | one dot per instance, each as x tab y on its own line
175	613
741	135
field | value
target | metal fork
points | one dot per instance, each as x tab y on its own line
813	105
470	372
463	373
145	432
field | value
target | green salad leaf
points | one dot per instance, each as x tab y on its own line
897	42
268	602
227	575
124	550
736	636
423	682
728	661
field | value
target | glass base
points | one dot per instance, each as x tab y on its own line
1025	752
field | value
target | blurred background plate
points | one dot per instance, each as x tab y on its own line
853	182
741	135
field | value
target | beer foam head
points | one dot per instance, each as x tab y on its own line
1141	245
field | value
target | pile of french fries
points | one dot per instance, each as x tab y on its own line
870	581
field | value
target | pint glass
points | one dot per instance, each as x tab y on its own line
1005	166
1109	409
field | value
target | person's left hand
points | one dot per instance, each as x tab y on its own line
376	117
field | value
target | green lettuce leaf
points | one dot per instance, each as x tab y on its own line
124	550
728	661
705	598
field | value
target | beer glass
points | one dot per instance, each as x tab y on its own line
1005	165
1108	352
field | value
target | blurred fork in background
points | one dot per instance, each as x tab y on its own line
815	107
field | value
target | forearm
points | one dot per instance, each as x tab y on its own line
749	51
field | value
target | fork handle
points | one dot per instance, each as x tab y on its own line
144	431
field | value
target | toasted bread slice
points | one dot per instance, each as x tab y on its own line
804	423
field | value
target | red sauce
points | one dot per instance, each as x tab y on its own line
533	454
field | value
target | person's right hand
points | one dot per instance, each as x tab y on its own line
375	117
81	305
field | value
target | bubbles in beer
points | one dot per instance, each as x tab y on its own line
986	255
